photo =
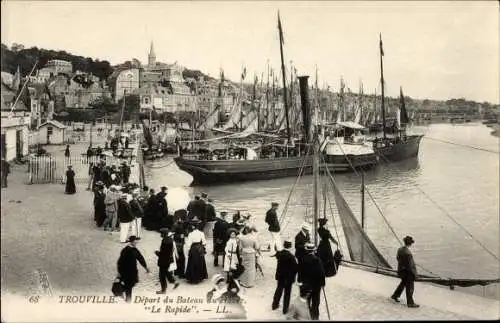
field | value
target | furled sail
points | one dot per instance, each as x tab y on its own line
235	115
211	120
361	248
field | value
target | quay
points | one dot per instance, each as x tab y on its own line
51	248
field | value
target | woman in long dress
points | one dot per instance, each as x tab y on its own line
196	269
231	258
70	181
325	249
248	250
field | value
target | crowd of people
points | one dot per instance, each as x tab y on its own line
183	250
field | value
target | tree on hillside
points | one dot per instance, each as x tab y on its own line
26	58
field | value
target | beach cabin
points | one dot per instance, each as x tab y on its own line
52	132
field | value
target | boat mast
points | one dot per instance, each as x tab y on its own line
241	97
362	211
382	85
284	79
291	94
267	96
254	95
123	109
312	140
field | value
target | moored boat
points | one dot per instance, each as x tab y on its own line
399	145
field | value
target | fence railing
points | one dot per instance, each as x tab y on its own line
52	169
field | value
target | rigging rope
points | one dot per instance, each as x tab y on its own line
446	213
376	205
462	145
285	209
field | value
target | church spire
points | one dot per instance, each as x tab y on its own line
151	56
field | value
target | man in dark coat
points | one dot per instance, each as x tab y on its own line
125	217
407	271
312	275
125	172
301	239
99	205
164	219
97	174
220	237
5	171
150	211
106	176
196	208
127	266
180	232
210	214
274	226
165	259
90	153
286	271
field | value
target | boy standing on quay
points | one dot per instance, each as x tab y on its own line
407	271
274	226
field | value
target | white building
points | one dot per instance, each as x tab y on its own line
52	132
14	126
124	82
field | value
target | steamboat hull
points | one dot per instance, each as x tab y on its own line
212	172
399	150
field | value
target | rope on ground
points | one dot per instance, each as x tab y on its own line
378	207
462	145
447	214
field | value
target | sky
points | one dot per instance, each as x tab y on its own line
435	50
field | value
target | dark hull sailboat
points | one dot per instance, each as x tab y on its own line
227	171
398	149
399	146
233	170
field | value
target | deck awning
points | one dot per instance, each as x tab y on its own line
351	124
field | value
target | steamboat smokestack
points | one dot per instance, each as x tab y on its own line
306	107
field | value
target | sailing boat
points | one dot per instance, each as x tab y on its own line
401	146
284	159
363	253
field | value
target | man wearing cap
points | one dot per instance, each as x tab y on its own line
137	212
301	239
274	226
166	257
125	217
220	237
407	271
312	276
127	266
286	271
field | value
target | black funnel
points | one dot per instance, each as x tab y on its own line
306	107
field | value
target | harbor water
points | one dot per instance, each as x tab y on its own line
425	197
